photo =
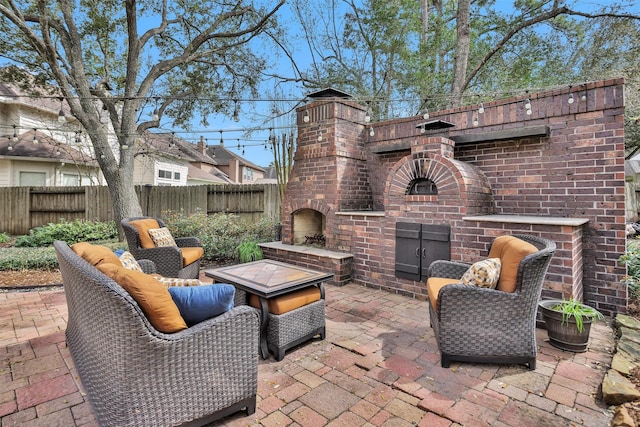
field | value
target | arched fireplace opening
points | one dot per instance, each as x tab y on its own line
309	227
422	187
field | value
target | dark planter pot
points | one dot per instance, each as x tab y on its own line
564	334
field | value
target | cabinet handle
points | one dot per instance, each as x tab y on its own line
417	252
424	252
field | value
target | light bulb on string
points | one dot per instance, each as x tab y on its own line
570	100
319	136
584	96
236	111
371	131
481	108
15	135
425	113
238	143
305	116
61	117
156	116
35	138
527	104
475	120
172	142
10	147
78	132
221	140
243	150
423	128
367	117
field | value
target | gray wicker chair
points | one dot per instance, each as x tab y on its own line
137	376
168	259
474	324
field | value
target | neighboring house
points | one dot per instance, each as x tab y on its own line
237	168
269	177
164	159
59	154
36	159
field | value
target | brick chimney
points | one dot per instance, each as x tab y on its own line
202	148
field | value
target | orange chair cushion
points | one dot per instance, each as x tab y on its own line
511	251
191	254
143	226
152	296
288	302
95	254
434	284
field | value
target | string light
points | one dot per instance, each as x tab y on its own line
570	100
305	116
481	108
425	113
371	131
35	138
367	117
156	116
221	140
475	120
15	135
61	117
236	111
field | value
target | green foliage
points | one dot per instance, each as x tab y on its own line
249	251
70	232
41	258
4	238
572	308
221	233
631	259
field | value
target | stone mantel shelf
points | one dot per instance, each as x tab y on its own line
361	213
529	219
311	250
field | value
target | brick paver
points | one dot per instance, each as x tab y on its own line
379	366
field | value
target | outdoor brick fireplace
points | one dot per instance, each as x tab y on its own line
382	207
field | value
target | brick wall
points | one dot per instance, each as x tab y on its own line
502	166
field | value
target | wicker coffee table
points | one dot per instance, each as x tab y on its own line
267	279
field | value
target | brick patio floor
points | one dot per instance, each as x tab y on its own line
379	366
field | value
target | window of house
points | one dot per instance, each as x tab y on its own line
34	179
164	174
176	176
247	174
70	180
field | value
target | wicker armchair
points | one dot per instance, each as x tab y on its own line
474	324
135	375
168	259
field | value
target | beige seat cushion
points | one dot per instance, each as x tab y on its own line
511	251
434	284
143	226
288	302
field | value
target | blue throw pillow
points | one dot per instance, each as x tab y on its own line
198	303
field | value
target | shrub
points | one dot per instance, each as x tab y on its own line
631	259
4	238
249	251
40	258
220	233
70	232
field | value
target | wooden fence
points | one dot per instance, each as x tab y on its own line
22	208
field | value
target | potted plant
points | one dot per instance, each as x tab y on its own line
249	251
568	323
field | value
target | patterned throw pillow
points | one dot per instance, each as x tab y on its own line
129	262
162	237
176	282
484	274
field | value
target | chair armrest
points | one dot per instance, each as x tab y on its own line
147	266
187	242
447	269
168	259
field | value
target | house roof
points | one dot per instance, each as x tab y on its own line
167	144
224	155
215	175
46	148
48	101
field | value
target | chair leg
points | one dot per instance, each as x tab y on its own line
251	407
532	364
444	360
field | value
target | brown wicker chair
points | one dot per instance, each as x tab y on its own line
168	259
474	324
135	375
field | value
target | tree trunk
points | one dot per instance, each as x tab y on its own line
461	58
